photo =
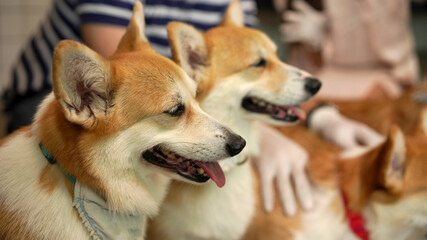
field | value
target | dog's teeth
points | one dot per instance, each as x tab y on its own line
262	104
254	100
187	163
289	111
179	159
200	170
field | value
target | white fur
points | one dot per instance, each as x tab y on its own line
402	220
210	212
322	222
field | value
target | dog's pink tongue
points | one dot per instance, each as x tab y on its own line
214	171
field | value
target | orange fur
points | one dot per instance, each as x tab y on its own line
381	114
48	180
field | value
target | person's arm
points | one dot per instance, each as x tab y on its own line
347	133
103	23
326	120
102	38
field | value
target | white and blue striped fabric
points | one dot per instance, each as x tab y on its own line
32	71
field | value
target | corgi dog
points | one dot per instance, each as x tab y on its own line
240	81
387	184
120	129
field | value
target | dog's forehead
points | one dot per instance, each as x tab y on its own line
141	62
146	85
238	47
239	38
148	68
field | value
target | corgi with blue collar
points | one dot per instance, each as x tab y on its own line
98	159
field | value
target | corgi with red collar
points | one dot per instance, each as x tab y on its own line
98	159
386	185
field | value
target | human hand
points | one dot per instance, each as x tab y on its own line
305	25
280	159
340	130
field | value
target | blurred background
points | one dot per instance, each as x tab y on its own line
269	22
19	18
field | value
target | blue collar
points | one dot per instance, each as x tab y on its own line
52	160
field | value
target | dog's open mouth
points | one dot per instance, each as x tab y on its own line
193	170
282	113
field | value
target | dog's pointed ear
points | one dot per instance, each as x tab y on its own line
393	161
134	37
234	15
189	49
81	83
422	122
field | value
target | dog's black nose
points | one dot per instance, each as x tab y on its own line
312	85
235	145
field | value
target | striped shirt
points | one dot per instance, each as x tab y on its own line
32	71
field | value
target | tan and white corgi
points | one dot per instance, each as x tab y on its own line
241	80
120	128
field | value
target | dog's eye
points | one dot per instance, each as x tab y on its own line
176	110
260	63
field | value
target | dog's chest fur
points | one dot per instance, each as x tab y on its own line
207	212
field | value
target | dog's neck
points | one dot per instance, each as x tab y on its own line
59	137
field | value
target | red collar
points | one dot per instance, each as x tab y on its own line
355	221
